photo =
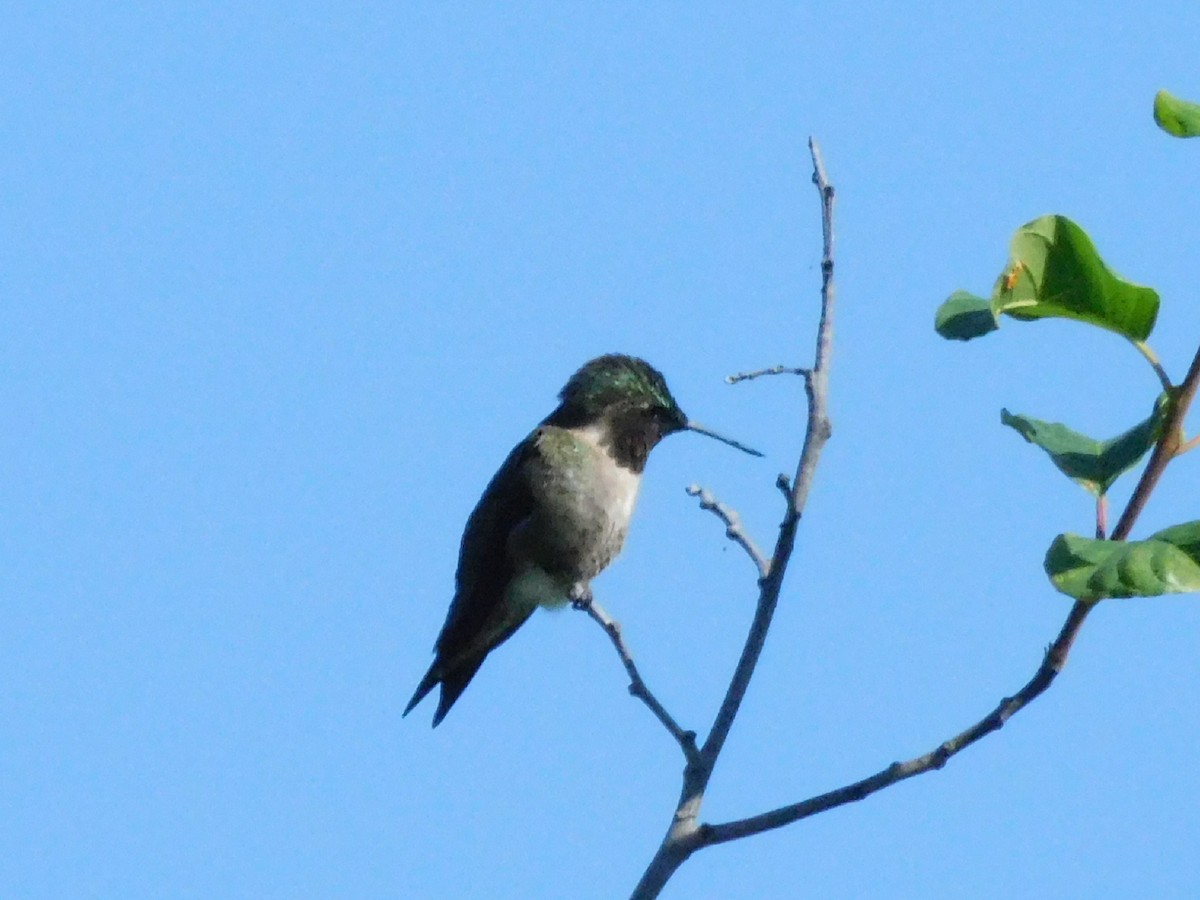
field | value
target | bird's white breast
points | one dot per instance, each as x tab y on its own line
616	488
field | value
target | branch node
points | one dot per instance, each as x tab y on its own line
785	486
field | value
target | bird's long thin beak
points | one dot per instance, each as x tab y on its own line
700	429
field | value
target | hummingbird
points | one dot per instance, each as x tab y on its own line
555	514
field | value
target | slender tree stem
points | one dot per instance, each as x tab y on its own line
684	835
1167	448
817	432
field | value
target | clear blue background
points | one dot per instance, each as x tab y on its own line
281	284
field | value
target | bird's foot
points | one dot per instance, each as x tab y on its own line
581	596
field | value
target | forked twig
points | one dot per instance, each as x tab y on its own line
685	835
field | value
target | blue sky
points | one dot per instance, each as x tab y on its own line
280	286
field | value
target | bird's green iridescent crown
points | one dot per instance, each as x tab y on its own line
616	378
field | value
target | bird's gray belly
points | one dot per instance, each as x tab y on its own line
585	517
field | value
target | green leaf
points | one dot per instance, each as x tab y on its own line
1177	117
1093	464
964	316
1165	563
1053	271
1186	537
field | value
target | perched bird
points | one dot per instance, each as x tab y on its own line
555	514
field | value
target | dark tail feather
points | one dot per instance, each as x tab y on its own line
456	681
426	685
453	684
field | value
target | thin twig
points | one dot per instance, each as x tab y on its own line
759	373
733	527
1165	450
1053	663
637	684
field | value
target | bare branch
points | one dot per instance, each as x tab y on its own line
1053	663
733	527
817	432
637	684
759	373
684	835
